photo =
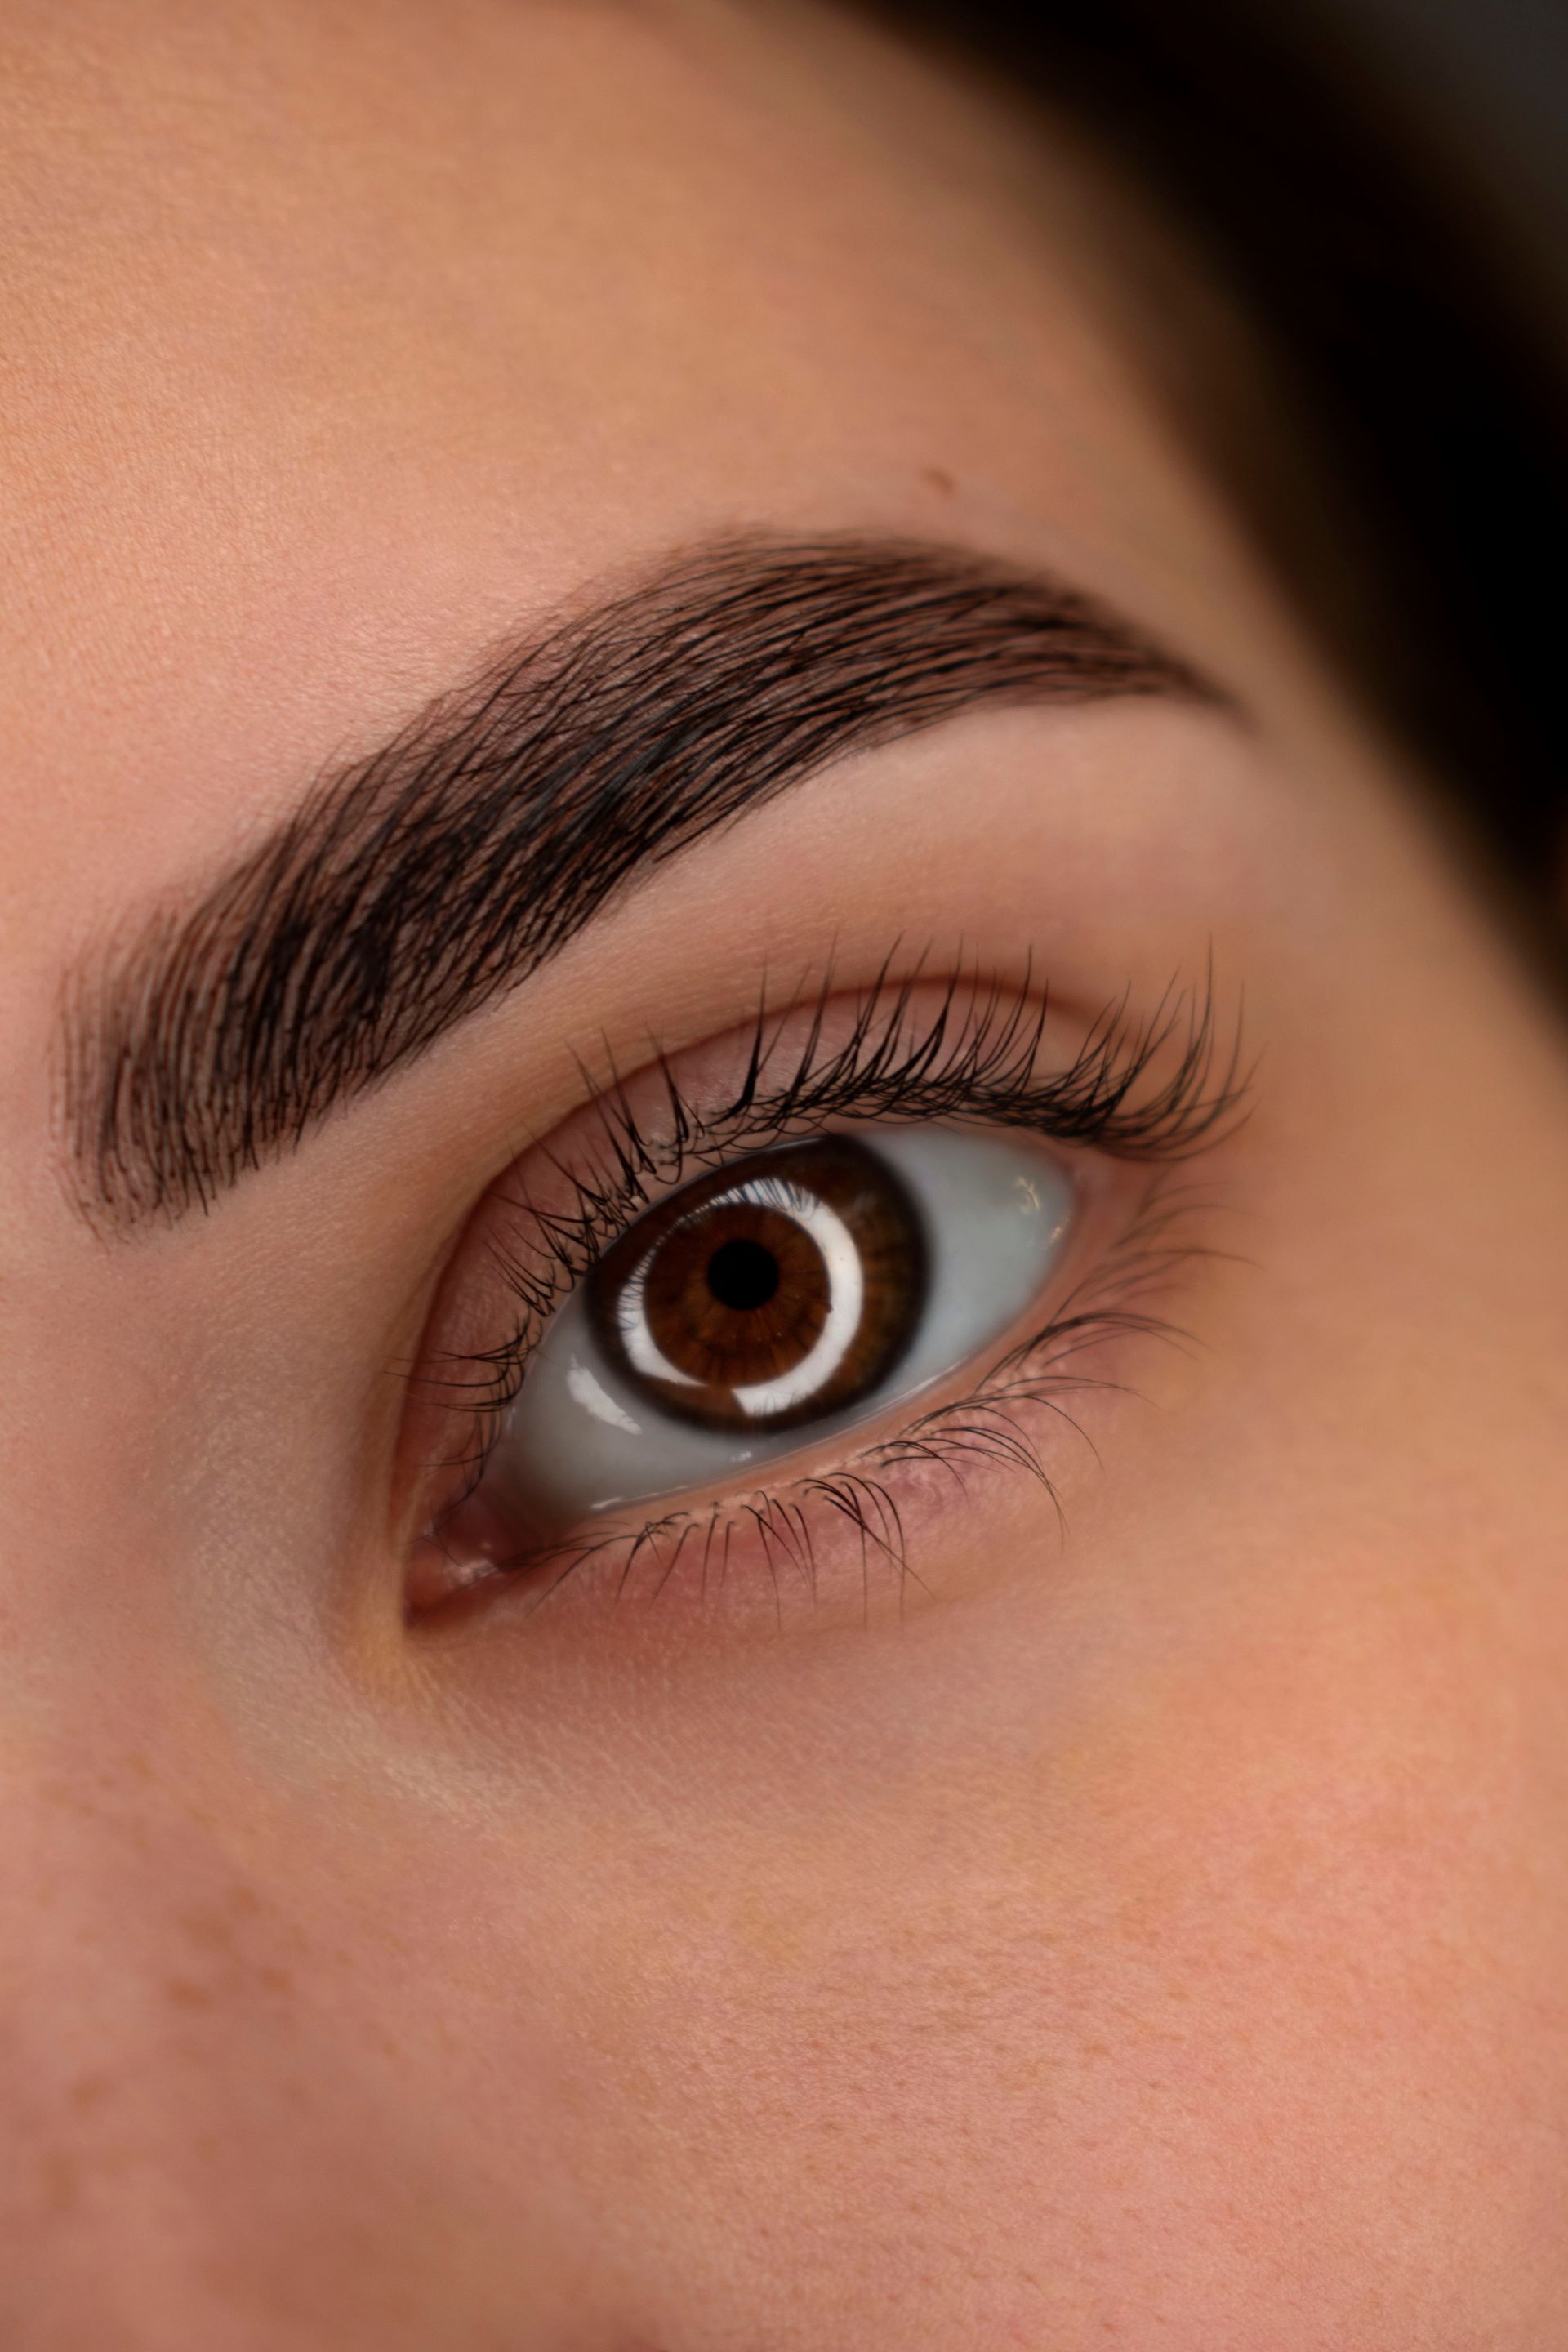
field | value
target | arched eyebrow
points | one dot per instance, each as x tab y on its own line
414	887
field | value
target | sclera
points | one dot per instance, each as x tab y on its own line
579	1441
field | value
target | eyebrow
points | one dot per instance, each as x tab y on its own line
415	886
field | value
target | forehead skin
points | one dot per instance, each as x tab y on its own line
335	355
1161	1945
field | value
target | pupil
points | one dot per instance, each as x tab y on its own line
742	1275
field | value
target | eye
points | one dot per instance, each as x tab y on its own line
867	1286
765	1308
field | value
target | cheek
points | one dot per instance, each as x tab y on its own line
1226	2007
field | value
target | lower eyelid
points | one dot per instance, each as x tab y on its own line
863	1537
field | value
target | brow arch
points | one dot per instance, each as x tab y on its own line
410	888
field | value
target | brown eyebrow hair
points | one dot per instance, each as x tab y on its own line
414	886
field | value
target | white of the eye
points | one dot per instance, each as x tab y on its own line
845	1296
580	1440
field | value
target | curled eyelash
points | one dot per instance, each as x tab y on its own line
1154	1089
971	1059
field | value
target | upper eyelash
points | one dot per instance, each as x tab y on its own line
972	1059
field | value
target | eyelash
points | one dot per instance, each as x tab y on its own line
971	1059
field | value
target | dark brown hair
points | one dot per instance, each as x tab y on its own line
1411	488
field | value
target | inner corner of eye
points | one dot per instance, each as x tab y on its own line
767	1306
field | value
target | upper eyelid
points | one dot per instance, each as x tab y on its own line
1093	1102
977	1056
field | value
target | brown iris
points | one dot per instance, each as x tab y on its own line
782	1287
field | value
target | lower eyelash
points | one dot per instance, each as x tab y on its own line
983	1429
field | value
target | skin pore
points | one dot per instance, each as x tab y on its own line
1149	1926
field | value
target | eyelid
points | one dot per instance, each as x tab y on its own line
984	1219
834	1540
1153	1088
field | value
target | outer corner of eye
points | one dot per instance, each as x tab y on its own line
765	1310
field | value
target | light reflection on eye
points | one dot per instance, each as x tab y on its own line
773	1293
769	1306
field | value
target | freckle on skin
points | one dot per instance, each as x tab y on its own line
185	1995
938	479
90	2092
207	1927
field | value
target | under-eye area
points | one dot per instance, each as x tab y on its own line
753	1315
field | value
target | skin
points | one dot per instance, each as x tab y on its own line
1156	1933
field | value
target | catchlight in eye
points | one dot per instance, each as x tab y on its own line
768	1307
783	1287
